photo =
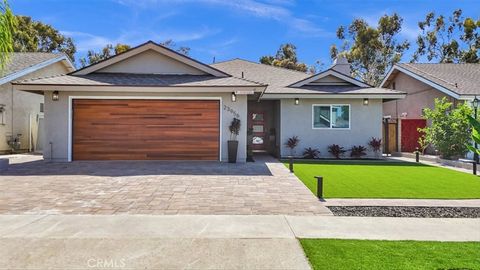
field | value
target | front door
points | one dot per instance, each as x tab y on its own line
258	129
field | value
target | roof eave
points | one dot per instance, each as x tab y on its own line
332	96
137	88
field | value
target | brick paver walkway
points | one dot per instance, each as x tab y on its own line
31	186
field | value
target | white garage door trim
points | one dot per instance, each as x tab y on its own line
70	114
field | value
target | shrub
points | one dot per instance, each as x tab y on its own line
449	129
358	151
292	143
336	150
234	128
375	144
311	153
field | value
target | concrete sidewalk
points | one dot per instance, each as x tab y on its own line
200	242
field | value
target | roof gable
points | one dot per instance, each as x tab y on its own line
21	64
329	77
151	58
152	62
459	81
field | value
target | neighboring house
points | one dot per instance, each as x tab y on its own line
153	103
423	83
21	113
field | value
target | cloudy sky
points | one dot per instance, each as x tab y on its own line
230	28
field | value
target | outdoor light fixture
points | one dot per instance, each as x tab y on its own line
297	101
365	101
475	103
55	95
234	97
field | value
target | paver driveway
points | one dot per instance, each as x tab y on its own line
32	186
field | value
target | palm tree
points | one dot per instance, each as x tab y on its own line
7	28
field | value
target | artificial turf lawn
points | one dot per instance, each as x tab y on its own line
372	254
387	179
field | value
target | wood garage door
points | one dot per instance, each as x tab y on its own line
145	129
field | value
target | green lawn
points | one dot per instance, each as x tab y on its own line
387	179
368	254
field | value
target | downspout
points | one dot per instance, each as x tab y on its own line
11	124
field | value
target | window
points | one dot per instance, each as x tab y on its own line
331	116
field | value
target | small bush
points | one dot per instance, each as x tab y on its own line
375	144
311	153
336	150
358	151
292	143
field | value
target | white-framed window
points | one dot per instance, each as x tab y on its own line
331	116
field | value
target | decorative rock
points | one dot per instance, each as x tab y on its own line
4	164
406	211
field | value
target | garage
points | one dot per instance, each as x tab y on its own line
137	129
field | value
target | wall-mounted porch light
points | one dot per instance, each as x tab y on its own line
297	101
55	96
365	101
234	97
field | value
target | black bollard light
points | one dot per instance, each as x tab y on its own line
290	163
319	186
474	168
417	155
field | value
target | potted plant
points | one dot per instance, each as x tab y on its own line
233	143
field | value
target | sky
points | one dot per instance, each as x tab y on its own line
227	29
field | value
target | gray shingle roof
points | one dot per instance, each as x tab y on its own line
463	79
21	61
127	79
278	79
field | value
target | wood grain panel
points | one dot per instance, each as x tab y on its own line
105	129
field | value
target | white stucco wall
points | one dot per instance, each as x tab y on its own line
24	107
296	120
57	129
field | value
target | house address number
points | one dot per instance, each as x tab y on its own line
232	111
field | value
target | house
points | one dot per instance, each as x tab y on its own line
423	83
153	103
21	113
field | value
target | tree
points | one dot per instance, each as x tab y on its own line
371	50
35	36
448	40
7	29
109	50
169	43
449	128
286	57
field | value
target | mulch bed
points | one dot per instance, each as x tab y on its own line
406	211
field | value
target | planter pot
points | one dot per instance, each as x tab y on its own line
232	151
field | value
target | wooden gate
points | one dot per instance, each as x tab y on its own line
390	136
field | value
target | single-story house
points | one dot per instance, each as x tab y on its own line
423	83
21	113
153	103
